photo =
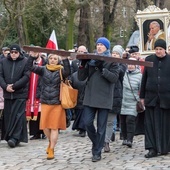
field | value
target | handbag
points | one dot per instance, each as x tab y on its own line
139	106
68	95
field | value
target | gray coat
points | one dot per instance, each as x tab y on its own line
129	102
99	89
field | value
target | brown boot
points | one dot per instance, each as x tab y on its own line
50	154
47	150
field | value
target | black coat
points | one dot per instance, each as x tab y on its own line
155	86
80	86
14	72
118	90
75	65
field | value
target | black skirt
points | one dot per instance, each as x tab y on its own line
79	120
157	129
14	124
140	128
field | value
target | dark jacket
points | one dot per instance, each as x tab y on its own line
50	81
14	72
100	84
2	57
155	87
75	65
118	90
80	86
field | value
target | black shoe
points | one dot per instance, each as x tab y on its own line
151	153
43	136
106	147
164	153
96	158
112	137
82	133
124	142
35	137
129	144
12	143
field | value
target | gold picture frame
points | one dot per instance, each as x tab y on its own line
144	18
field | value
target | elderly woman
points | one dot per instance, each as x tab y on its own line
52	114
131	87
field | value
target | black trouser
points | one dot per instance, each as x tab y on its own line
128	127
34	126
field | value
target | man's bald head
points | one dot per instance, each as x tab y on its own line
82	49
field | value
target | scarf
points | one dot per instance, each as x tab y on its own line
32	104
98	62
53	67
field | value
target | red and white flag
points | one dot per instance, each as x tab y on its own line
52	42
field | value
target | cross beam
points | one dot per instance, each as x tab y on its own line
117	60
87	56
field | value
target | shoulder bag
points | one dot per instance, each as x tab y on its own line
68	95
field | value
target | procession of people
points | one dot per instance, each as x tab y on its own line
30	98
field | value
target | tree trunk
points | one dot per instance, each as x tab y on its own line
82	29
19	23
85	32
106	15
72	6
70	26
108	18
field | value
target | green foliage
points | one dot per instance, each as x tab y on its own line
40	21
40	17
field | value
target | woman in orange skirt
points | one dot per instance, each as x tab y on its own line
53	116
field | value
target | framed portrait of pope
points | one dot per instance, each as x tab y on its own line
153	24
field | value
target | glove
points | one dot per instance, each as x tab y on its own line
83	62
99	64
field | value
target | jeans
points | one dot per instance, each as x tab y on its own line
114	124
97	136
109	128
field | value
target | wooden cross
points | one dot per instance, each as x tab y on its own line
87	56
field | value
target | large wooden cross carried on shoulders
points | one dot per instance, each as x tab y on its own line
86	56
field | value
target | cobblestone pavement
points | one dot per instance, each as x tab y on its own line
74	153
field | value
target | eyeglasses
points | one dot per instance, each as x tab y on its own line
16	52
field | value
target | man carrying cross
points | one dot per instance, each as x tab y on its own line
98	99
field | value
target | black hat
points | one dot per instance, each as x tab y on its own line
133	49
160	43
15	47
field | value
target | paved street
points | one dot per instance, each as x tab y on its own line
74	153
